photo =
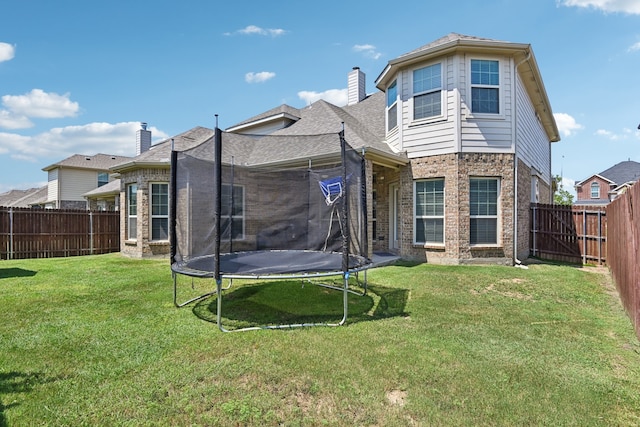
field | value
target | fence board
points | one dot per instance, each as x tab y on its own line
623	251
46	233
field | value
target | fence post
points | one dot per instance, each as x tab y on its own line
91	232
599	237
535	215
584	236
10	254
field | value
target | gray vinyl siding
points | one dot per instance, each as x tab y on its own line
485	134
76	182
534	147
427	138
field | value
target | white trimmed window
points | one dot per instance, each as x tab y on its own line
159	211
392	106
427	92
132	211
103	178
232	214
485	86
595	190
483	210
429	211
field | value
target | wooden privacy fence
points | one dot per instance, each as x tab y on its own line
623	252
47	233
576	234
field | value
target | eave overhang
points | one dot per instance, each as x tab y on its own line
521	53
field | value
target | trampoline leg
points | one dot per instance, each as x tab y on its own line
345	299
175	293
219	305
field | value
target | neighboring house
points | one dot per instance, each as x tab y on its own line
603	187
32	197
71	178
457	144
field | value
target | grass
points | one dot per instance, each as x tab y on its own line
97	341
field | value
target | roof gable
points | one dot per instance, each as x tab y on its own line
96	162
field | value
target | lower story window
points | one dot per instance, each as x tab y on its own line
232	215
483	201
429	211
159	211
132	211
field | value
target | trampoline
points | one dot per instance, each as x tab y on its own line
265	223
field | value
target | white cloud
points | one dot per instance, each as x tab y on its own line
634	47
8	120
368	50
337	97
255	30
260	77
39	103
6	52
567	125
614	136
59	143
631	7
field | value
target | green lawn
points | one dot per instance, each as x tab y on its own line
97	341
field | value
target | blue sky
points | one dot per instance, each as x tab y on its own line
77	77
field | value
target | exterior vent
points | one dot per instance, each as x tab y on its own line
356	86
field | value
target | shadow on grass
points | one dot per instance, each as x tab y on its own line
18	382
293	302
8	273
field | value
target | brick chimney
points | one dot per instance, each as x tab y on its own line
143	139
356	87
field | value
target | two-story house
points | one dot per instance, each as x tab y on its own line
457	145
69	180
603	187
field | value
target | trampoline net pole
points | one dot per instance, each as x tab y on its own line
217	209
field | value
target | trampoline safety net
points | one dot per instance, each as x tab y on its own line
318	208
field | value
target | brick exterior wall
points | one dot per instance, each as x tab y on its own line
142	247
456	169
583	192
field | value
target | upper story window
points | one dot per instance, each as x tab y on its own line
485	86
429	211
103	178
392	106
427	92
595	190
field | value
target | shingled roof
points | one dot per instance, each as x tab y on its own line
96	162
623	172
313	135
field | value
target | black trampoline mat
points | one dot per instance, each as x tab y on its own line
270	262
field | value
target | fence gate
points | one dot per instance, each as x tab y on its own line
575	234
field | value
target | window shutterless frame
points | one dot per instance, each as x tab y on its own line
428	217
427	92
159	206
485	91
132	211
484	198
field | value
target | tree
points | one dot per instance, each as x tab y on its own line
560	195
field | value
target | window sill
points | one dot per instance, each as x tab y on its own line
130	242
430	246
427	122
158	242
485	246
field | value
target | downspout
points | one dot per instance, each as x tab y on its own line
517	262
